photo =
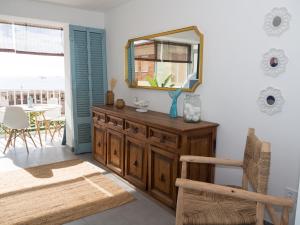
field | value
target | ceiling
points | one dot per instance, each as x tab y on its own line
95	5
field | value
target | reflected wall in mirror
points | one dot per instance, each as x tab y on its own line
165	61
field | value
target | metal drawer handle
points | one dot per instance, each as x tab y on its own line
162	178
135	129
135	163
162	139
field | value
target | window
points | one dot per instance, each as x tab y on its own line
169	63
162	51
145	51
173	52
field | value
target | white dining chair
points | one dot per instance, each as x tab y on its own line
2	110
16	120
1	115
3	101
54	117
52	101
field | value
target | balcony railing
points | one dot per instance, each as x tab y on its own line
21	96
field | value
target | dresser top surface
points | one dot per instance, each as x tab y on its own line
154	118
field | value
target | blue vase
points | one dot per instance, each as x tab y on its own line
174	95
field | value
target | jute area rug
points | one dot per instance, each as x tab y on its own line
56	193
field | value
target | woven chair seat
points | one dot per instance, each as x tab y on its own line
202	208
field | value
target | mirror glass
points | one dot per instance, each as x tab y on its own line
165	61
276	21
270	100
274	62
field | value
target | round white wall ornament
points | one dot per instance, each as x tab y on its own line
270	101
277	21
274	62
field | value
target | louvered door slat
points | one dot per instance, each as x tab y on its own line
88	69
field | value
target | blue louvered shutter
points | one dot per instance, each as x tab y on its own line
88	71
97	66
131	63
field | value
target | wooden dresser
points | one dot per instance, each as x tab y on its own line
144	148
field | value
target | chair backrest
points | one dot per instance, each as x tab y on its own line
15	118
53	101
257	158
1	116
55	112
3	101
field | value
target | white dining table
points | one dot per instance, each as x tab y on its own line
35	110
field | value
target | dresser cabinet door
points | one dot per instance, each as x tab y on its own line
100	144
201	145
162	175
115	151
136	162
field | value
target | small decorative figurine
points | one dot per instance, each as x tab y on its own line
174	95
110	96
142	105
120	103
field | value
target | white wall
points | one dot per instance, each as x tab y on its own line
298	209
43	13
51	12
234	44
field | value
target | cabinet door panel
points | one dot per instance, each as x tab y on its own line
162	175
201	146
136	162
100	144
115	151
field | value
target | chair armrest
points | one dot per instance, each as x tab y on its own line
234	192
211	160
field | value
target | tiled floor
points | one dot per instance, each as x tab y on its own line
143	211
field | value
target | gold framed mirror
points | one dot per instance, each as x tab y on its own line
165	61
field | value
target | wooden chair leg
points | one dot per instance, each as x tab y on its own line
53	134
5	134
15	137
27	131
285	216
179	208
37	125
9	140
59	131
260	209
24	136
57	128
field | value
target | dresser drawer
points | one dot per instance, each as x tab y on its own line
135	129
99	118
114	122
163	137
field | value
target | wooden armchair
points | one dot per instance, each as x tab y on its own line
211	204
